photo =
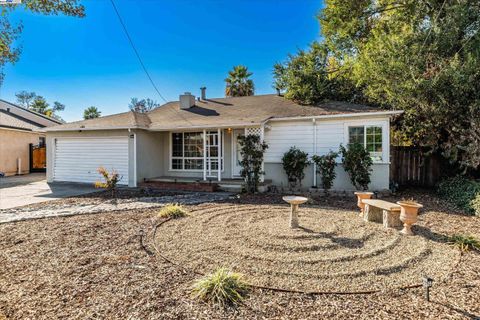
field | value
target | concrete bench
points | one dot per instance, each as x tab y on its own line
382	211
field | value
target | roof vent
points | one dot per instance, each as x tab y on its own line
187	100
204	93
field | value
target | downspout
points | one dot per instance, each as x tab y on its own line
314	122
204	155
262	136
133	135
219	154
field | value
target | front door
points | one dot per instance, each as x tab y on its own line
236	153
213	141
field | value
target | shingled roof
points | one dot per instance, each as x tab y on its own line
221	112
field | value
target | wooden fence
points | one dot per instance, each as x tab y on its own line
38	158
409	167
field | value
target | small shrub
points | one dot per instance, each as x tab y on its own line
476	205
464	243
357	163
222	287
294	163
111	180
462	192
252	157
326	168
172	211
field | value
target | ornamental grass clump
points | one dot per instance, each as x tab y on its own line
172	211
222	288
464	243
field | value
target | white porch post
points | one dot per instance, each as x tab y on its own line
262	135
314	151
219	154
204	155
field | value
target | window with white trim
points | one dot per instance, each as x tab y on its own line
187	151
370	137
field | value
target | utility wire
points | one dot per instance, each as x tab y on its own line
431	27
135	50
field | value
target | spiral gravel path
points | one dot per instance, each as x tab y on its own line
334	251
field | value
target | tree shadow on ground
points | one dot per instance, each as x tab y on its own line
341	241
428	234
463	312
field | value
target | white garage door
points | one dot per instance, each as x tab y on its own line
77	159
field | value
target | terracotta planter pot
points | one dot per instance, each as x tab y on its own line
360	196
408	215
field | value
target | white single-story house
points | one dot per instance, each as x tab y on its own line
186	140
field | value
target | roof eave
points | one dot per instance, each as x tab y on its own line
53	129
339	116
210	126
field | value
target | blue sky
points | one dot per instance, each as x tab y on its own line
184	44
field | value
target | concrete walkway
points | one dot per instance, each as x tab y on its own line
28	189
26	213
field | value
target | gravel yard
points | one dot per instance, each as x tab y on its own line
94	266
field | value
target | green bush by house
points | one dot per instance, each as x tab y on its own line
462	192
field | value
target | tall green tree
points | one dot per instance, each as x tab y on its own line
419	56
9	33
238	83
313	76
143	105
91	113
25	98
40	105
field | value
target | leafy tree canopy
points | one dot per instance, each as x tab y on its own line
419	56
314	75
9	33
238	83
91	113
143	105
31	101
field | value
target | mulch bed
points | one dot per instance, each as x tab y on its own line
333	251
95	267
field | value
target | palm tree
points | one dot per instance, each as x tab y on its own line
238	84
91	113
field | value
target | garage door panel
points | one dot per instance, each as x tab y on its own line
78	159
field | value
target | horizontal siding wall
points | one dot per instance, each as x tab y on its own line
282	135
330	134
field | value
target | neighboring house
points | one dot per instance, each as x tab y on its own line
186	140
18	129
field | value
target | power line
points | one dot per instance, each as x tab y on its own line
135	50
431	27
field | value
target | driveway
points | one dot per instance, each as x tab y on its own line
23	190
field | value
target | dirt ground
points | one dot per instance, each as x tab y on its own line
94	267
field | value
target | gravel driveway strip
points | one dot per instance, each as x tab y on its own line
109	205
